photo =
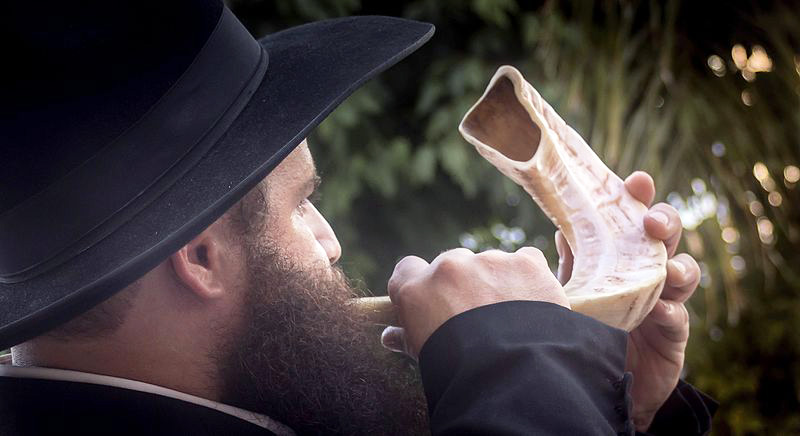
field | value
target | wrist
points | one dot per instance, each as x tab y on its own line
644	411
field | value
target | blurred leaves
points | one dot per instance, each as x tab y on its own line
634	79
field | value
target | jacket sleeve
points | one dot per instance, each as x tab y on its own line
526	367
687	411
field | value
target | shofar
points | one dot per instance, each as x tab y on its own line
618	270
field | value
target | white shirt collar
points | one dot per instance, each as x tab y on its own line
97	379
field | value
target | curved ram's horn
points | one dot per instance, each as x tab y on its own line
618	270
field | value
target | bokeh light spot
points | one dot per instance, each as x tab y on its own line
730	235
765	230
717	65
718	149
775	199
747	98
791	173
760	171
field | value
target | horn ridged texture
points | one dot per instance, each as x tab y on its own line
618	270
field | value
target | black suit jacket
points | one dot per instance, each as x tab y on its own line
509	368
48	407
523	367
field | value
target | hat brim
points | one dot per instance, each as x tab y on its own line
312	69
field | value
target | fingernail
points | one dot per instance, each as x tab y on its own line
660	217
391	340
679	266
391	343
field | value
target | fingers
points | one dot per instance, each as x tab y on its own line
565	258
670	314
672	319
663	222
640	185
683	276
427	295
408	267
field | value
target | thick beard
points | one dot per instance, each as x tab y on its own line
305	358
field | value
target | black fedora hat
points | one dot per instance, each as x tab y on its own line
129	127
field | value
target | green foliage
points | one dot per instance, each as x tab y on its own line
634	79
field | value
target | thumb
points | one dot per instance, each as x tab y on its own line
565	258
394	339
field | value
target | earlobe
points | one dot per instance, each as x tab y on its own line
198	267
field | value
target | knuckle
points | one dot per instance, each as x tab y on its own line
404	261
396	277
448	266
532	255
460	252
452	265
492	256
408	265
401	274
453	258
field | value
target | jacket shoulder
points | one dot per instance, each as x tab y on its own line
52	407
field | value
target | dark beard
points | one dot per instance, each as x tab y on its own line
305	358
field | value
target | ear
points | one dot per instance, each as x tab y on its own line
203	265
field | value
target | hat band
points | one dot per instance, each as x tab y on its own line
103	193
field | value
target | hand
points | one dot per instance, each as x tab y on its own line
427	295
655	348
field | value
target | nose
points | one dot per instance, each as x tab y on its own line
324	234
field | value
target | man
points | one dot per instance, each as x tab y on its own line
162	270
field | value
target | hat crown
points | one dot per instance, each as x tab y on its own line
83	73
